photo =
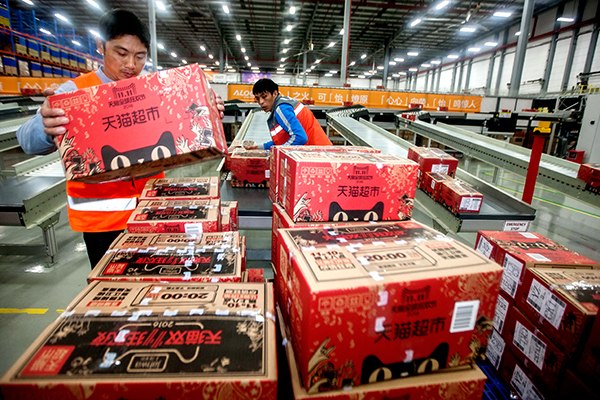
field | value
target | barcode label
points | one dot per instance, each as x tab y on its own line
464	316
500	313
511	276
193	228
538	257
443	168
531	346
484	247
432	184
546	303
495	348
523	385
267	173
470	203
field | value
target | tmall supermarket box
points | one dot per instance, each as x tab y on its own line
347	187
208	263
229	216
176	216
139	341
181	189
274	160
178	240
590	174
562	302
588	363
433	160
383	301
140	125
431	183
249	168
460	197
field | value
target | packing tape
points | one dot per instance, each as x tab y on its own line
170	313
91	313
221	312
137	314
197	311
375	275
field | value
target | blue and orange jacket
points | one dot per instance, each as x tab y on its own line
292	123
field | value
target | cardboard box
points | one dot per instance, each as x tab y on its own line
432	160
517	250
181	188
229	216
347	187
463	384
562	302
177	216
383	300
274	161
139	126
179	240
588	363
432	184
140	341
171	263
590	174
460	197
571	386
249	168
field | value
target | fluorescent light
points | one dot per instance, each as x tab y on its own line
254	68
491	44
415	22
183	60
160	46
62	18
363	56
211	56
287	41
413	53
317	61
474	49
328	75
173	54
453	56
399	59
280	72
392	62
28	2
249	64
413	69
243	49
225	9
285	51
442	4
159	67
517	33
333	71
46	31
282	59
202	65
238	37
280	69
361	77
292	10
353	63
331	44
402	73
380	67
217	62
425	65
281	65
436	62
202	48
502	14
396	75
246	58
565	19
468	29
342	31
76	43
160	5
90	2
289	27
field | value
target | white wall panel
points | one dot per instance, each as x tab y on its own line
545	22
446	79
421	83
583	45
495	74
558	65
509	59
479	72
533	68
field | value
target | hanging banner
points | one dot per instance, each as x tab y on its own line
14	84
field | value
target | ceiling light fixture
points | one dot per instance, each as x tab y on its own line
62	18
211	56
517	33
183	60
243	49
225	9
413	69
425	65
289	27
217	62
565	19
246	58
292	10
442	4
160	5
380	67
363	56
76	43
474	49
415	22
317	61
90	2
331	44
413	53
160	46
328	75
46	31
502	14
435	62
399	59
282	59
238	37
392	62
353	63
28	2
333	71
490	44
93	32
202	48
285	51
342	31
173	54
468	29
249	64
453	56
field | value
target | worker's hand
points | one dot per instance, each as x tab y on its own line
250	145
53	118
220	106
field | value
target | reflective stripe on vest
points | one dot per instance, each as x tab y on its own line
82	204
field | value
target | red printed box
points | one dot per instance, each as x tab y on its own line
433	160
274	160
460	197
563	302
249	168
432	184
179	240
462	383
229	216
588	365
177	216
590	174
517	250
388	300
162	341
181	189
140	125
348	187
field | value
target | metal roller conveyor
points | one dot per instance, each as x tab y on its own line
554	172
8	129
498	207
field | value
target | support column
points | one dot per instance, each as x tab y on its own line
490	74
468	77
501	63
593	42
454	69
414	83
345	42
517	71
572	47
386	64
439	77
551	50
152	28
304	66
460	76
221	57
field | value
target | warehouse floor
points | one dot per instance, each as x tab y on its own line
32	294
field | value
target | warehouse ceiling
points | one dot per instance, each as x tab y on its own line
186	27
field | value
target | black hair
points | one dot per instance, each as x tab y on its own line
264	85
119	22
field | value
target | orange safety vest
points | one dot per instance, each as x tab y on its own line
106	206
315	134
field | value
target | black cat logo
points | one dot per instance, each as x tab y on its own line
164	148
373	370
337	214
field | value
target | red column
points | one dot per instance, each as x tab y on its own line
534	166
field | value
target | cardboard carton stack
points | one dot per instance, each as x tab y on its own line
375	302
547	304
249	168
590	174
149	341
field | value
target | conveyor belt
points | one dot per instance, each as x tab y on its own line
498	206
255	127
554	172
8	129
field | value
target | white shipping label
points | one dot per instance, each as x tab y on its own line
495	348
516	226
464	316
442	168
470	203
267	173
193	228
546	303
511	276
523	385
530	345
500	313
485	247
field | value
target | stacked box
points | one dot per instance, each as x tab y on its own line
590	174
4	16
571	386
47	71
277	172
57	72
382	301
432	184
138	126
204	240
432	160
20	45
516	251
66	73
54	54
23	68
249	168
460	197
73	61
64	58
588	363
181	188
139	341
10	65
45	53
229	216
176	216
563	302
1	66
33	48
36	69
347	187
81	63
89	64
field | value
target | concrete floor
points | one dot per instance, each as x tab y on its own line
32	294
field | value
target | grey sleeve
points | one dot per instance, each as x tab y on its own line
31	135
